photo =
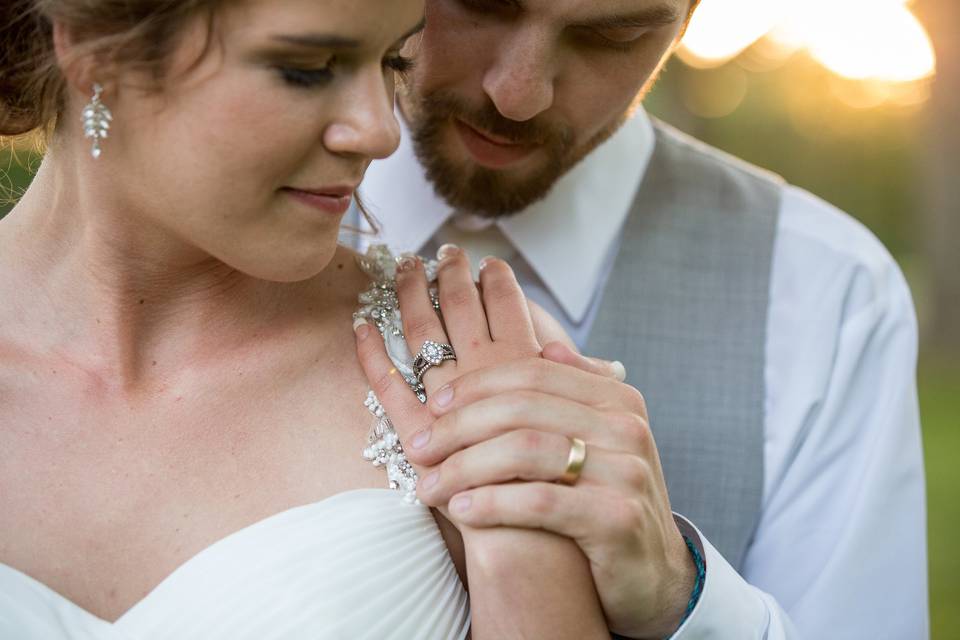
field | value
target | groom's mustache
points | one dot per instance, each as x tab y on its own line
442	105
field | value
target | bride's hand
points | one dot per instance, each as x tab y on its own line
487	326
497	431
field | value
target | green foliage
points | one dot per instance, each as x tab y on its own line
16	170
940	408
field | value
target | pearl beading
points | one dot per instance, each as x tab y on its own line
380	307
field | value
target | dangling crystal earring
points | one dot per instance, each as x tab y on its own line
96	120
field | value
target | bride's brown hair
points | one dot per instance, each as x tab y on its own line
139	33
127	32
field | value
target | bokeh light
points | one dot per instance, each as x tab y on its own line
721	29
878	46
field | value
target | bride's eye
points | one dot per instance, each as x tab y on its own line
304	77
401	65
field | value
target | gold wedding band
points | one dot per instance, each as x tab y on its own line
578	455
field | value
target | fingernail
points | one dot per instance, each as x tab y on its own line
619	371
361	327
461	504
429	480
406	262
444	396
447	251
421	439
485	261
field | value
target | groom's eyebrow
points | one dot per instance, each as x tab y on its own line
656	16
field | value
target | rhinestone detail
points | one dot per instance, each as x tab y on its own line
379	306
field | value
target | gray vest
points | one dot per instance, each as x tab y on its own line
685	310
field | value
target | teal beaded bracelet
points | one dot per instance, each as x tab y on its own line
701	576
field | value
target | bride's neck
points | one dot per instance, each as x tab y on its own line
95	285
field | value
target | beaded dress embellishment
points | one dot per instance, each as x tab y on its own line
379	307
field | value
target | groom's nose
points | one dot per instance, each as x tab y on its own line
521	74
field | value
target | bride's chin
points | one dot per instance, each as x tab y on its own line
288	268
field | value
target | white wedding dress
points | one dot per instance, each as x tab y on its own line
366	563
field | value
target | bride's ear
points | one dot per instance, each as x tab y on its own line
80	68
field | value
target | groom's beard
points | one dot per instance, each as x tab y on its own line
468	186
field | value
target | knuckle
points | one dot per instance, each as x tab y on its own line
447	424
367	350
626	517
383	384
519	410
536	373
451	469
483	504
634	399
635	433
528	440
417	456
458	296
501	289
543	500
636	472
419	325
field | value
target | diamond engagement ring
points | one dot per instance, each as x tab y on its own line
431	354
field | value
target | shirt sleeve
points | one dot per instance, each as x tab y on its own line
729	607
840	548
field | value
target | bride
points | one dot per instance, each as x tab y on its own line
182	401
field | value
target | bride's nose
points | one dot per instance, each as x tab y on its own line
365	123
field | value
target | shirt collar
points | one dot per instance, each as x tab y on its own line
565	238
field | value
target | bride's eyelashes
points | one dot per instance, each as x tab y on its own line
401	64
303	77
306	78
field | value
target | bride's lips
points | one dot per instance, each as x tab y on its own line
334	200
489	150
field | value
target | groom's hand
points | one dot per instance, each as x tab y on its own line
496	435
502	438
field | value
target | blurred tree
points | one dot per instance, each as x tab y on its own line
942	211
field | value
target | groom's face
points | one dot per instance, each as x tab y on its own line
507	95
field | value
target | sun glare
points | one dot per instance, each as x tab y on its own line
876	41
721	29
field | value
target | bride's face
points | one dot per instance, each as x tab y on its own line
262	129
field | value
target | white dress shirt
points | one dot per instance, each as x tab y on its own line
840	549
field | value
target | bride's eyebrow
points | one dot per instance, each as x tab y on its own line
333	41
318	41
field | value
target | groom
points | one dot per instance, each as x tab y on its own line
772	337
